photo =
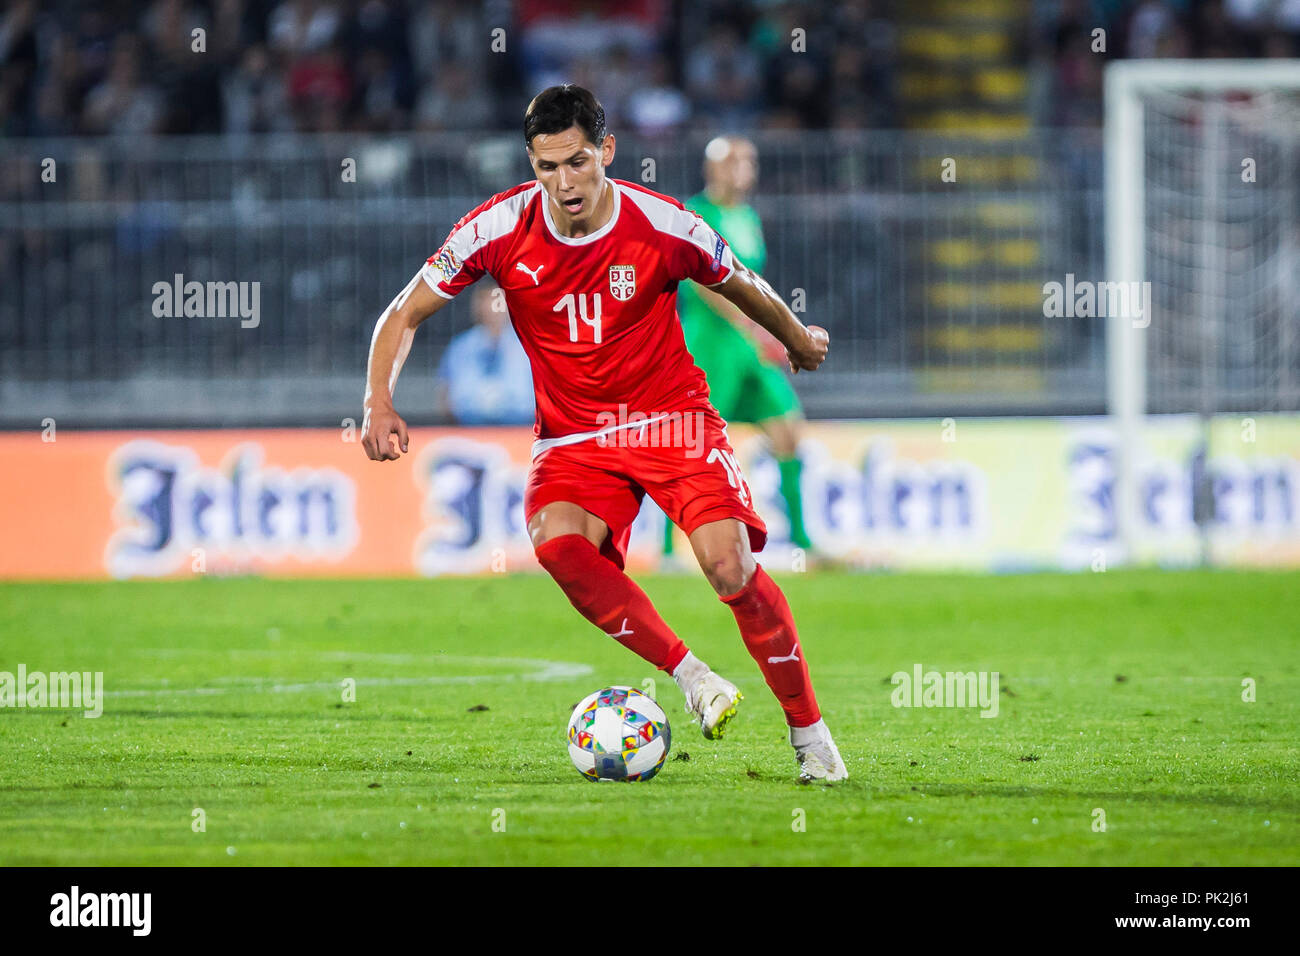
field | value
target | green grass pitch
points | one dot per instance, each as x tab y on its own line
1122	692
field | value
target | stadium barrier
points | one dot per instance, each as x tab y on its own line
974	494
931	285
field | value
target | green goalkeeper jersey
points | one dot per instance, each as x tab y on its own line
743	386
741	227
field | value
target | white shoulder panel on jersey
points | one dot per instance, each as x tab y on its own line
494	222
683	224
663	215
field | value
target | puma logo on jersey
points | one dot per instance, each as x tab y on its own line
627	631
477	237
532	272
792	656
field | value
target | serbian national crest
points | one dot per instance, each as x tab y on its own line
622	282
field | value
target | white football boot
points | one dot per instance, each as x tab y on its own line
709	698
713	702
819	758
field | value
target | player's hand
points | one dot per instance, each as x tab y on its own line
380	423
812	352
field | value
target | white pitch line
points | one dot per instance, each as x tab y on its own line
339	656
543	670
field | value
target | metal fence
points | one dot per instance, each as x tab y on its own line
925	256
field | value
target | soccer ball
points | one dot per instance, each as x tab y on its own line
618	734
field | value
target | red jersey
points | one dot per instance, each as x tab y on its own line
596	314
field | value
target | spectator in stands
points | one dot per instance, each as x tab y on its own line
122	104
457	100
617	75
189	81
863	68
379	97
18	62
443	31
376	38
555	34
1215	35
320	87
1269	28
1155	30
1077	93
301	27
795	44
724	79
58	91
93	40
73	67
484	375
255	97
658	106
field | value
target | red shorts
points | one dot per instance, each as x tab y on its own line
685	463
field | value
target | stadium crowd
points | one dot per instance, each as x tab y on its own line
1064	43
86	67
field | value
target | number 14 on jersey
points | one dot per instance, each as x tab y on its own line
577	309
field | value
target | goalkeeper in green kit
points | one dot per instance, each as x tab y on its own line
745	364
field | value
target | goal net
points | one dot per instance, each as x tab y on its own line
1202	208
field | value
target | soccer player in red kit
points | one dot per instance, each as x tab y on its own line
589	267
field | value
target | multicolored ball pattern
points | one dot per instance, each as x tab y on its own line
618	733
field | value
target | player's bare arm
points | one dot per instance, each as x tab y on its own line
389	346
805	345
767	343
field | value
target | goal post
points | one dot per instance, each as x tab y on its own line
1180	138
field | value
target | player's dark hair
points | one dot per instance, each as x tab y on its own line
557	108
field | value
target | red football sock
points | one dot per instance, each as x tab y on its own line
611	600
767	628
